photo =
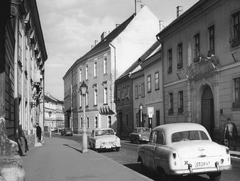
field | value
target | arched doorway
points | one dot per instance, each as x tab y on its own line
208	110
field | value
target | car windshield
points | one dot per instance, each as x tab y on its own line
104	132
140	130
189	135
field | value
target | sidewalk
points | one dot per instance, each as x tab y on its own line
61	160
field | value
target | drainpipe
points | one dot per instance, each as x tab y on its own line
16	83
162	54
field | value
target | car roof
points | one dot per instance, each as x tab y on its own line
169	129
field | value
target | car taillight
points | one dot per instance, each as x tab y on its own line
227	151
174	155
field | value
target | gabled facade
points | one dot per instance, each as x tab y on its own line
200	55
23	55
54	115
101	66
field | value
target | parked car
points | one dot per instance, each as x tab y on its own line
181	149
67	132
104	139
140	134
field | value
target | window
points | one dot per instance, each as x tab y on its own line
197	45
236	103
136	91
109	122
236	29
105	65
88	122
169	60
142	90
105	95
211	36
95	97
170	111
149	83
127	93
80	75
95	69
139	90
156	80
180	56
160	138
153	137
180	102
119	94
86	99
123	92
86	76
80	100
96	122
126	119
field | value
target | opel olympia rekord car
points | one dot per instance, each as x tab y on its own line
104	139
181	149
140	134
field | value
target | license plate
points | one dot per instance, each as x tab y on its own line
202	164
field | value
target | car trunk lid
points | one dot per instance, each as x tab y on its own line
196	149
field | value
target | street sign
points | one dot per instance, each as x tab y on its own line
150	111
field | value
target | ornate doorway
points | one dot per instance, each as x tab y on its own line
208	110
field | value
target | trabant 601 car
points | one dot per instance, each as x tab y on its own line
181	149
140	134
104	138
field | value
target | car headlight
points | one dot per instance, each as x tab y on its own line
117	139
139	135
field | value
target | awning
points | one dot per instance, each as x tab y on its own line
106	110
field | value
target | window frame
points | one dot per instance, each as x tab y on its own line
197	44
149	87
156	80
211	40
180	55
169	56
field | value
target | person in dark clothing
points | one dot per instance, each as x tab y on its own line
230	134
39	132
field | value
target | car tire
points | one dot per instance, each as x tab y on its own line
143	168
117	149
215	176
164	176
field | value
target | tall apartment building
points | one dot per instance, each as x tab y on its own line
22	58
201	63
101	66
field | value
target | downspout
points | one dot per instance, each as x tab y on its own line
16	99
162	54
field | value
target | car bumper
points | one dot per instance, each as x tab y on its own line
200	170
107	146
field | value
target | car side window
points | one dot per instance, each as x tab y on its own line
160	138
153	138
92	135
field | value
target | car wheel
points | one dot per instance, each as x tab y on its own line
117	149
143	168
164	176
215	176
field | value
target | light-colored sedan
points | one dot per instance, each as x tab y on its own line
139	135
181	149
104	139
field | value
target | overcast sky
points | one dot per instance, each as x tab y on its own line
71	26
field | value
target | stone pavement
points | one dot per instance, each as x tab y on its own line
61	160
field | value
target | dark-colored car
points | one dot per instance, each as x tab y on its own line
67	132
140	134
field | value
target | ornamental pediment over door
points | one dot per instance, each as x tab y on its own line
202	66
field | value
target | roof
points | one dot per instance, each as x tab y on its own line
105	42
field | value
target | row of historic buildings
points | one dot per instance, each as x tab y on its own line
22	59
187	72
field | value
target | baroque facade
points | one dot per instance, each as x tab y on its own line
23	55
101	66
201	63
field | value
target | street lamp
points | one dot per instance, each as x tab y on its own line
50	131
83	90
141	108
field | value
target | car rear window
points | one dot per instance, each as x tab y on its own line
189	135
104	132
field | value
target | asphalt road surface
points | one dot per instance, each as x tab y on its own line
127	156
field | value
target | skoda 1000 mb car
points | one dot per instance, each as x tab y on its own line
181	149
104	139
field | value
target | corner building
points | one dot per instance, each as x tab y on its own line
101	66
201	64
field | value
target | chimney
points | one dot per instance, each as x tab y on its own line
117	25
103	35
179	10
92	46
138	6
95	42
160	25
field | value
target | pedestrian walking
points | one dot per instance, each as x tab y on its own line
39	132
230	134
